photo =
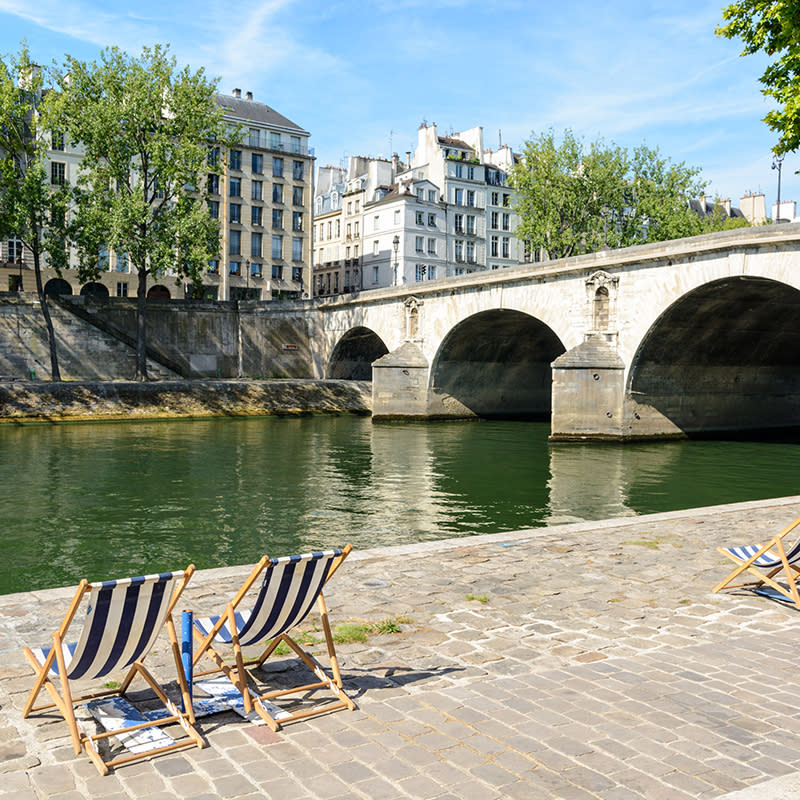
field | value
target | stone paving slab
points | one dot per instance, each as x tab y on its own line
577	661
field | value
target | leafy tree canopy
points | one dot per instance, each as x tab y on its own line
772	26
573	198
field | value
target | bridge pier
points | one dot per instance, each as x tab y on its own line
400	384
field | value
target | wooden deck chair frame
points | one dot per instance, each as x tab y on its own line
65	702
771	557
238	674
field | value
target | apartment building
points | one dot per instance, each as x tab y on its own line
262	200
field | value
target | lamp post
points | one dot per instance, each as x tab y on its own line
777	164
396	246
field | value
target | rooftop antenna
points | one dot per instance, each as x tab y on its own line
499	139
391	133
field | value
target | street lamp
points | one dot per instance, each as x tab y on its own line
777	164
396	246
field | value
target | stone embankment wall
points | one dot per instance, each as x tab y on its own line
35	401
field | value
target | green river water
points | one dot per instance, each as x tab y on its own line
105	500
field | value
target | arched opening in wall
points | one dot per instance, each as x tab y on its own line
158	292
496	364
94	289
353	356
723	358
56	286
601	302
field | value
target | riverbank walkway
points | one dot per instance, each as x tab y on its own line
577	661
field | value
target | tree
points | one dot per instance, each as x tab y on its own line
774	27
572	199
33	204
146	129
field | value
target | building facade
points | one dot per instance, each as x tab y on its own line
262	200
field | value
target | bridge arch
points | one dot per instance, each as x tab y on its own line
495	364
354	353
57	286
724	356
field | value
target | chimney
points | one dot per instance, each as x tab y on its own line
237	93
408	159
727	205
249	95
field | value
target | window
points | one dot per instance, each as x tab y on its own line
420	194
505	246
347	253
57	141
297	196
459	250
349	231
297	170
257	163
338	228
349	208
58	171
376	223
376	247
236	159
494	247
235	187
431	195
432	247
419	244
471	224
506	222
432	220
213	156
256	190
297	220
277	272
459	197
470	197
213	265
233	268
256	215
495	198
432	272
274	140
122	288
255	269
277	246
506	200
397	217
471	252
297	274
235	243
297	248
235	212
294	142
277	218
277	167
122	262
374	274
335	281
355	230
494	219
255	245
213	208
459	170
459	223
471	173
213	184
420	218
102	257
355	253
277	193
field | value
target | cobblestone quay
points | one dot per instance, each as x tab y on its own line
576	661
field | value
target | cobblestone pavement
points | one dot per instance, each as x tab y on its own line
577	661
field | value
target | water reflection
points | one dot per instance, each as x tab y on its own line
102	500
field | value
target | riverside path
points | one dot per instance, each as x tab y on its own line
576	661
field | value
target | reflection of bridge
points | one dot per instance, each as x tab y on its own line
693	335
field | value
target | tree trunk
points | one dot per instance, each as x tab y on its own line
141	327
55	374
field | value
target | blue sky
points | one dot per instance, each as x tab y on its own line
361	78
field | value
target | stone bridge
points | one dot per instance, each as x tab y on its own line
671	339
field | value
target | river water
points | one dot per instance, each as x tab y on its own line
103	500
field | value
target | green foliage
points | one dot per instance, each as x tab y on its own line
31	209
145	128
575	199
772	26
481	598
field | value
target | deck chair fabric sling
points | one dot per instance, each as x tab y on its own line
123	620
289	588
764	562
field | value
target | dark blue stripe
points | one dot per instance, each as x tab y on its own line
129	606
95	637
158	603
286	577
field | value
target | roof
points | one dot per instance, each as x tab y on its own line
454	142
253	111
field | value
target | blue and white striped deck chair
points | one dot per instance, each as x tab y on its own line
289	588
764	562
123	620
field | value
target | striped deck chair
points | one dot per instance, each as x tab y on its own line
764	562
289	588
123	619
